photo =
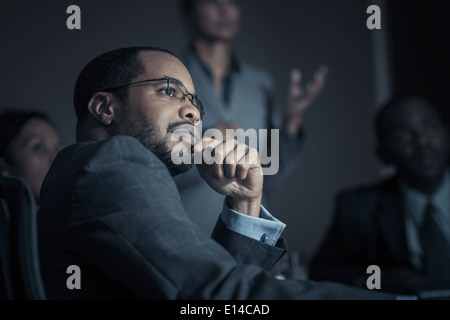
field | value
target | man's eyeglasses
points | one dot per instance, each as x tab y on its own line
170	87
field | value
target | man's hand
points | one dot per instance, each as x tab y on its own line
236	173
300	98
222	127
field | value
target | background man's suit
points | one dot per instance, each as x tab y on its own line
112	208
369	229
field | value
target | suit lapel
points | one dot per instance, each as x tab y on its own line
391	211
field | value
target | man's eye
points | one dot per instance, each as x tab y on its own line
170	92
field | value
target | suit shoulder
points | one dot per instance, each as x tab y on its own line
358	203
120	142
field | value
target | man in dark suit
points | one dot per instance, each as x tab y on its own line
110	205
390	224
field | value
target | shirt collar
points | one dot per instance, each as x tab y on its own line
235	64
416	201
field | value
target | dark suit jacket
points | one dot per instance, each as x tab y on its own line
368	228
112	209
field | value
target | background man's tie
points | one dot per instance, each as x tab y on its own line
436	250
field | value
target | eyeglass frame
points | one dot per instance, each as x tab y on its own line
193	97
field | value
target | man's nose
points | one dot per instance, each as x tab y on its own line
189	112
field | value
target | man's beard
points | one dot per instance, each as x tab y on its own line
161	150
158	147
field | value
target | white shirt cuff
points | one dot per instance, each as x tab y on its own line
266	228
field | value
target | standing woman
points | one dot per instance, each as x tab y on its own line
236	95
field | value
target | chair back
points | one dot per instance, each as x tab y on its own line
19	252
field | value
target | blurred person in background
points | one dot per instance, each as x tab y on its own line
401	224
28	144
236	95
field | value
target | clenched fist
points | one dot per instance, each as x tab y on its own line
234	170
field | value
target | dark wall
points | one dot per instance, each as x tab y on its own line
41	59
420	39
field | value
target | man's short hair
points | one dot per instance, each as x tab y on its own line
110	69
188	6
11	124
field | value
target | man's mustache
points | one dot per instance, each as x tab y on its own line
174	125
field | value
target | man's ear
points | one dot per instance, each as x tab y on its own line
102	106
5	169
